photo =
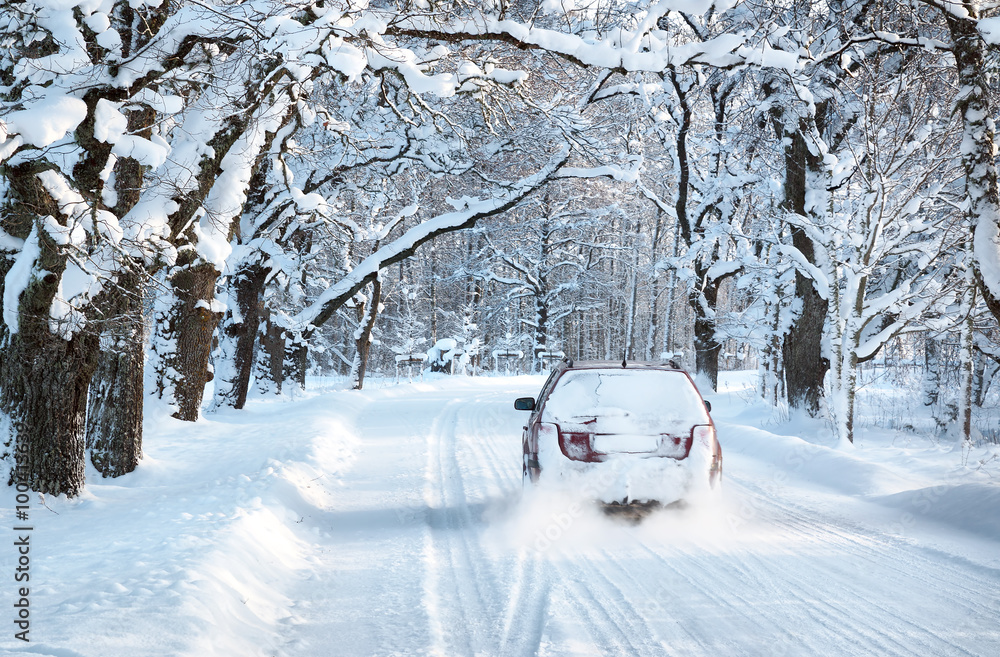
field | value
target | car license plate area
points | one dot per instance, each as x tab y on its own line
625	443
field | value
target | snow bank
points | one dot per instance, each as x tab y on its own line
195	553
805	461
971	507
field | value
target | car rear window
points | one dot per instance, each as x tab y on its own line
641	402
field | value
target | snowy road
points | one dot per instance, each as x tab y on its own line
392	522
432	551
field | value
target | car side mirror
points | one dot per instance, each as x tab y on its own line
525	404
708	406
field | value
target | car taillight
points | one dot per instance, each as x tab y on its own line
704	434
576	445
547	433
675	447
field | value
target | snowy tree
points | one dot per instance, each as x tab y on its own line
130	135
885	260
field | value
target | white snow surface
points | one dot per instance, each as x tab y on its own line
17	279
47	120
392	522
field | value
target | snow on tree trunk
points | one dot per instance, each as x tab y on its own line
932	371
236	355
633	297
540	330
296	363
114	410
966	358
367	314
978	148
116	400
45	368
182	340
269	368
805	365
706	347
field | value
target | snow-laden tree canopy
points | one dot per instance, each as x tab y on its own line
236	175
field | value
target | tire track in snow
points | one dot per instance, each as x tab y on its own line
811	583
643	580
525	620
528	596
845	608
483	426
616	606
942	577
717	585
905	564
479	602
455	601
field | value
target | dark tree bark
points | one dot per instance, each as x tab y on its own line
367	314
706	347
185	339
242	329
43	375
270	357
296	361
115	405
802	352
188	324
116	399
45	395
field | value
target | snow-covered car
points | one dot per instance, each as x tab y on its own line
621	433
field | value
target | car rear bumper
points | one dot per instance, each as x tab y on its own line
623	480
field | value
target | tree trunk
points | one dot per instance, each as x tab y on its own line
45	395
238	351
802	352
966	358
184	338
296	361
633	299
44	376
932	371
978	147
366	315
115	404
804	364
270	358
433	293
706	347
773	374
541	332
